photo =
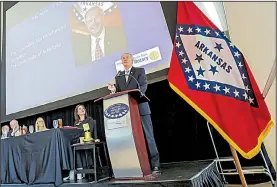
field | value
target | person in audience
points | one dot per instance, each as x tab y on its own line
15	131
81	118
5	131
40	125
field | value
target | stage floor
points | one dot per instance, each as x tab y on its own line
181	174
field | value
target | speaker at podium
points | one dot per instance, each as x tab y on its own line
124	134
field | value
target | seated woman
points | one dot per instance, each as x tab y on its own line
81	118
40	125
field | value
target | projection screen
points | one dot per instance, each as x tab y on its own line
57	50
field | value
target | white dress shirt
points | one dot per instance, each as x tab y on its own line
127	72
101	43
4	136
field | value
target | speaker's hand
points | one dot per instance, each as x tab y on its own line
111	87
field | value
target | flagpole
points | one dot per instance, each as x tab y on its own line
270	79
238	166
234	152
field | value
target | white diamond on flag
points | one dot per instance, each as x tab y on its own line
205	45
211	63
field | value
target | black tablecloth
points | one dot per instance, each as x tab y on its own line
39	157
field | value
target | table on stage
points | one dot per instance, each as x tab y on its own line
38	158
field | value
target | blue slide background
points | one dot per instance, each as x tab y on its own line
53	75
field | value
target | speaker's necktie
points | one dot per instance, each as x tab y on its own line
127	75
98	50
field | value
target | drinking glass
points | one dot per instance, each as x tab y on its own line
24	129
55	124
31	129
60	122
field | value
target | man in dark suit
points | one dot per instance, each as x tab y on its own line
128	83
100	41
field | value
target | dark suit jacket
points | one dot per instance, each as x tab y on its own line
139	74
10	133
115	40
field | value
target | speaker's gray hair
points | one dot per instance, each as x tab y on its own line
129	55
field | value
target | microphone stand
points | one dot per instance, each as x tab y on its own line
139	88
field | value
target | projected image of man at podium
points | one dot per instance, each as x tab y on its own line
125	80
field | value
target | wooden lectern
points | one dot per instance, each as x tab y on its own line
124	134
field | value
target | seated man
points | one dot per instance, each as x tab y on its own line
5	131
15	128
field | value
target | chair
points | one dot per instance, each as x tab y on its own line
95	146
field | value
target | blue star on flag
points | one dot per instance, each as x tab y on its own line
199	58
218	46
213	69
200	71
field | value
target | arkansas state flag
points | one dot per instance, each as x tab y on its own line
211	74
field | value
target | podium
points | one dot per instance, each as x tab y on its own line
124	134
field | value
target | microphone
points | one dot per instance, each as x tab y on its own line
118	75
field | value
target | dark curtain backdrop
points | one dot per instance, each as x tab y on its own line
67	116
